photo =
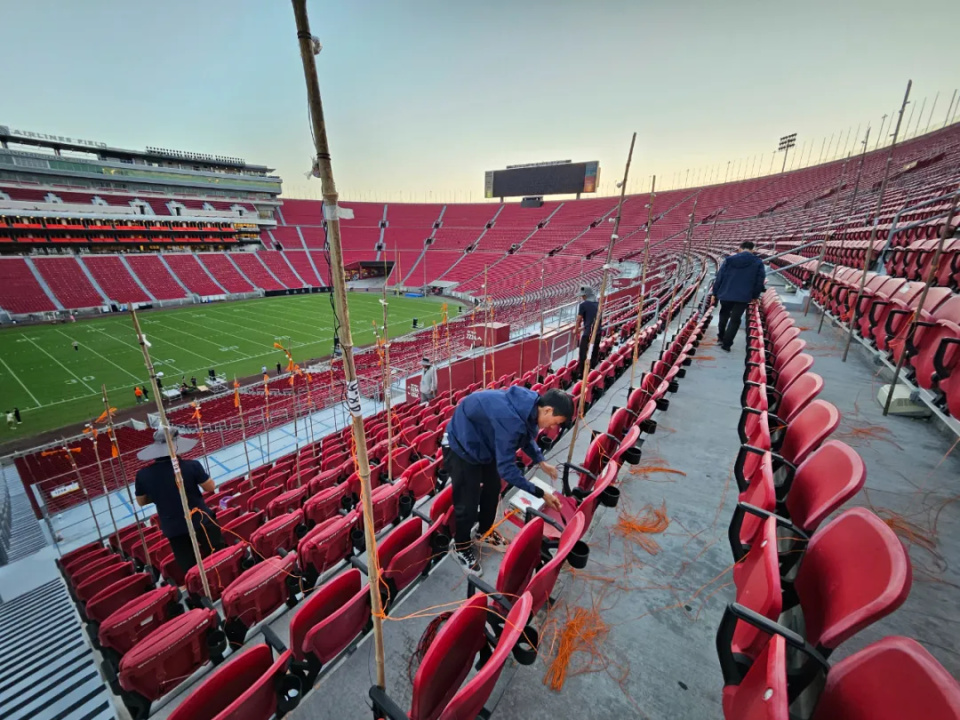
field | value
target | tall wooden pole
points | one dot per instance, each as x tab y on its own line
643	279
172	450
876	221
103	480
681	273
387	393
585	370
112	433
331	214
243	430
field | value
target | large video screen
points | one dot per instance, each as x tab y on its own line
551	179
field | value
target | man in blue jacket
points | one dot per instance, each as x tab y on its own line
484	434
739	281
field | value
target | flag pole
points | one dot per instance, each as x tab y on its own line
331	211
643	281
172	450
594	332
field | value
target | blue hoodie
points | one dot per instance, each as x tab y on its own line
491	425
740	278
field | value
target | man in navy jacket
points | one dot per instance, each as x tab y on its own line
484	434
739	281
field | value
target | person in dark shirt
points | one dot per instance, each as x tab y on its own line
156	483
587	314
482	439
739	282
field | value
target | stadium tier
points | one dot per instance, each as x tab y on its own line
435	247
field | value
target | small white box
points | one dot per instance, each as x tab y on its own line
522	500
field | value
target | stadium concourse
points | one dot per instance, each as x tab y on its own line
741	535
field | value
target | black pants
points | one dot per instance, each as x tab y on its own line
731	314
208	540
584	344
476	494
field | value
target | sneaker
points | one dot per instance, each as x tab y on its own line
468	561
492	540
725	348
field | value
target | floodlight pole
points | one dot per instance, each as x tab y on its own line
915	316
172	450
876	220
331	213
643	279
585	370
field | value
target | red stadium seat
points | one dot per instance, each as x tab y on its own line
257	593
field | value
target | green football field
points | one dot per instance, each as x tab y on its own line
55	385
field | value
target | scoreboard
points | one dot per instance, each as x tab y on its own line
556	178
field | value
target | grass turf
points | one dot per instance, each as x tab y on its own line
55	385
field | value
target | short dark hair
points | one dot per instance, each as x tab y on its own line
558	401
747	245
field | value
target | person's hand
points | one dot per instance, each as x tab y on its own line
550	470
551	501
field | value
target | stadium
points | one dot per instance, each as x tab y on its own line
762	527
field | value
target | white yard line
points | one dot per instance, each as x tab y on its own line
59	363
84	345
15	377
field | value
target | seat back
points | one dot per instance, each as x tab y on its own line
222	567
757	578
810	427
168	655
405	553
520	560
543	581
325	504
328	543
115	596
259	591
762	694
891	679
800	394
240	529
286	502
449	659
276	534
420	478
333	621
589	505
244	687
469	700
854	572
831	475
793	370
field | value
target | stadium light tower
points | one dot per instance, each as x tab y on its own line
786	142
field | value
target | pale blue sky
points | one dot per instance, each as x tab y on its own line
422	96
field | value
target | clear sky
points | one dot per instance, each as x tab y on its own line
423	96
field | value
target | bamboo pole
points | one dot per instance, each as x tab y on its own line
915	319
83	488
266	413
112	433
172	450
681	272
203	442
585	370
243	430
387	399
331	213
103	480
643	280
876	221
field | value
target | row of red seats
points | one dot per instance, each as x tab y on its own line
914	261
831	581
887	307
